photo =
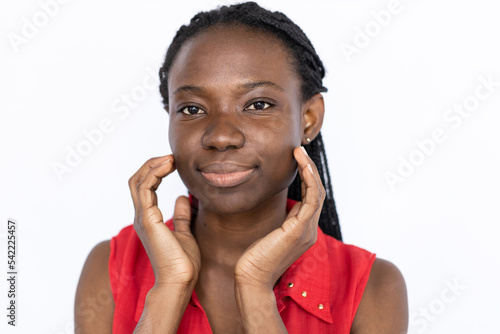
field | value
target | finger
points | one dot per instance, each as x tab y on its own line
303	159
182	215
139	175
314	169
313	199
302	185
146	188
156	238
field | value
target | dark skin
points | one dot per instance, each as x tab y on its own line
248	113
234	98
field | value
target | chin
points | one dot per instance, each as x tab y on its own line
227	201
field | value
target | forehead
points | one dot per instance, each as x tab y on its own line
227	54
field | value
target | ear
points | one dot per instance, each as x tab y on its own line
313	111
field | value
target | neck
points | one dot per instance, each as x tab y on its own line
222	239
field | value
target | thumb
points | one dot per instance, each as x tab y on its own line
182	215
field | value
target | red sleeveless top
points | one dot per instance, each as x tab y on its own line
319	293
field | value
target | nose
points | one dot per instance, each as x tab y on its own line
223	133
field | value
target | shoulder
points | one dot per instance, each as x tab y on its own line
354	259
96	264
384	305
94	304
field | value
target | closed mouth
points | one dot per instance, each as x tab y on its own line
227	179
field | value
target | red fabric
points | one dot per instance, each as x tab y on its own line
331	273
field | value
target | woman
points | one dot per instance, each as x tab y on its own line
256	247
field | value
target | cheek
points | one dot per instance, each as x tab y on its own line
171	136
180	137
281	137
181	144
279	164
281	168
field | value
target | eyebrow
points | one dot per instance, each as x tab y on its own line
189	88
257	84
246	86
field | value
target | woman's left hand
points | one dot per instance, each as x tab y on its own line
265	261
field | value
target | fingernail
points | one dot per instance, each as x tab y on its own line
304	150
310	168
165	162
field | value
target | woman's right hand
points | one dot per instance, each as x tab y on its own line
174	255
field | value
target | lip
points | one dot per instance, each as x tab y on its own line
225	175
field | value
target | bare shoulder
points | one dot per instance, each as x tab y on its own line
384	305
94	304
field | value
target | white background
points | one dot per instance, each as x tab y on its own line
439	225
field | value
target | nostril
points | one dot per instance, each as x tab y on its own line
221	147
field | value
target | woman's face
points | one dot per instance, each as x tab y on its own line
235	117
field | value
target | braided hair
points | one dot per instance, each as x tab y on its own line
308	66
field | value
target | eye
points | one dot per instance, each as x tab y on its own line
259	105
191	110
